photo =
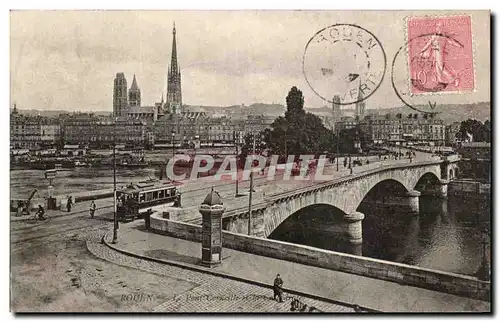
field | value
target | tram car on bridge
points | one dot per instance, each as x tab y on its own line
136	199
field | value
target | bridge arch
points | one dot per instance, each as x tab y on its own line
428	178
348	194
385	189
354	193
308	221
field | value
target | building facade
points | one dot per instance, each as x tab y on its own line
100	132
400	129
346	123
33	132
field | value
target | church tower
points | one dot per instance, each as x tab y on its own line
360	105
134	95
174	94
336	111
120	95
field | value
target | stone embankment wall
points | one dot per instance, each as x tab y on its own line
400	273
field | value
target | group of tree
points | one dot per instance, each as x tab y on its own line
474	130
300	132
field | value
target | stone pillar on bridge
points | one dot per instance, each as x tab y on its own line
442	191
354	227
412	201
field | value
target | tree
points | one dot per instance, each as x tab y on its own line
487	131
348	138
480	132
294	104
296	133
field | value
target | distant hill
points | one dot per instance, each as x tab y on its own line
55	113
240	111
448	112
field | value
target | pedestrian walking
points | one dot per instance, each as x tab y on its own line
69	203
41	212
147	218
92	209
278	288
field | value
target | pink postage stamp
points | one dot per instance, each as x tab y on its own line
440	54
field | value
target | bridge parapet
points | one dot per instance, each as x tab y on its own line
452	158
343	192
355	176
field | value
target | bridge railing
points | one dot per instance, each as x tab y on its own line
366	170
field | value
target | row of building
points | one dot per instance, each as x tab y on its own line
402	129
28	132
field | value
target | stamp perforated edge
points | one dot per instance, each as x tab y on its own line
440	93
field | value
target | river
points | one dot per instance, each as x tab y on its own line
22	182
446	235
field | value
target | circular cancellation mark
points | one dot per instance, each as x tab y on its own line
415	74
344	61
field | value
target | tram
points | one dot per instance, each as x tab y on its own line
137	199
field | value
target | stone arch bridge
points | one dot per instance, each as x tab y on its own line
346	194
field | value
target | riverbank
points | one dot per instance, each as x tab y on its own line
470	188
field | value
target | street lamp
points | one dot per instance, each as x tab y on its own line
400	140
236	141
251	190
484	270
115	215
338	142
196	140
173	143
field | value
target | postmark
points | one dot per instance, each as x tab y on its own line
440	55
344	61
436	59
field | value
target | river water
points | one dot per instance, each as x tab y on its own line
22	182
446	235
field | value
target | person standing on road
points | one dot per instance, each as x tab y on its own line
147	218
69	203
41	212
278	288
92	209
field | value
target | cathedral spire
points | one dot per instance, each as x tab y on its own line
173	64
134	94
134	86
174	93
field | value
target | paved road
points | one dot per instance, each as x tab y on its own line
211	293
53	271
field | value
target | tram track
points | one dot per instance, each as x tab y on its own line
52	234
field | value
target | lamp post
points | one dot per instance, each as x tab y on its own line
400	140
236	146
338	142
115	215
251	191
173	143
484	270
196	140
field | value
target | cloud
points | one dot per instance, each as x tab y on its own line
68	59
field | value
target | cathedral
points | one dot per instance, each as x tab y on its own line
174	93
127	103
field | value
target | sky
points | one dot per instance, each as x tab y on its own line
67	60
